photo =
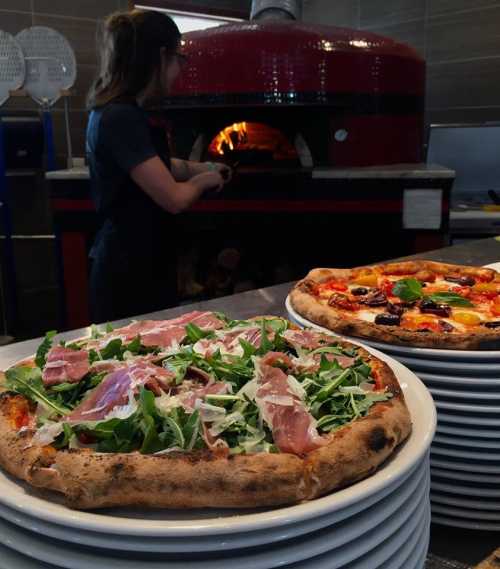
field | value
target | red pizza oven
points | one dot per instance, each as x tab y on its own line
284	102
277	91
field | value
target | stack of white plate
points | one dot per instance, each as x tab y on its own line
380	522
465	453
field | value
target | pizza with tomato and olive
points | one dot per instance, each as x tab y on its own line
199	411
413	303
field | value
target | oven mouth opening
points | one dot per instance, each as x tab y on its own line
253	143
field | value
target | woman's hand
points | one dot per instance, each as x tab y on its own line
224	170
211	180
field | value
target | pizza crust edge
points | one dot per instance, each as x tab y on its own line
342	323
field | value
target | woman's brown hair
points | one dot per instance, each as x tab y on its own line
131	54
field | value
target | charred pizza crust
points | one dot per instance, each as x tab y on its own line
347	324
87	479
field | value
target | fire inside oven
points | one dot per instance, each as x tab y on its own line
251	143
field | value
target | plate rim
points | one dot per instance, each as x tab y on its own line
465	524
467	355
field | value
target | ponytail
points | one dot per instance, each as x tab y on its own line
131	54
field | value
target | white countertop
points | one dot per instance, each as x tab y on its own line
77	173
387	172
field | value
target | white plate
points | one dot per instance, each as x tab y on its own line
394	531
57	552
379	505
465	524
465	476
170	523
396	351
464	454
495	266
479	444
489	459
478	383
487	397
464	408
486	506
421	560
418	556
450	464
463	513
10	559
489	434
392	554
458	368
472	420
473	490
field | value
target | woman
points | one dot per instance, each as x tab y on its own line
135	183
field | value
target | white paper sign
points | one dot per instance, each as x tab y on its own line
422	209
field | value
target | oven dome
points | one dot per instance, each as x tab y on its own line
283	62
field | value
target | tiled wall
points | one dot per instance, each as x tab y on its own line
78	21
460	40
37	284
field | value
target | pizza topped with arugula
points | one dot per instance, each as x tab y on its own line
199	411
415	303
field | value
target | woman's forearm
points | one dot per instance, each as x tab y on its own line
184	170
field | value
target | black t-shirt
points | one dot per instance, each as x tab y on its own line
133	251
121	136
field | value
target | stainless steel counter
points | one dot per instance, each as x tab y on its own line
268	300
463	545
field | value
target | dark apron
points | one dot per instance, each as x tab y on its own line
134	258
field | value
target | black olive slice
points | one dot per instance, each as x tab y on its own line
430	307
388	319
493	325
463	281
359	291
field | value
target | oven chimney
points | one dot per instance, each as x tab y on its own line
276	10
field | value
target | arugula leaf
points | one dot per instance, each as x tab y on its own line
28	382
327	350
117	435
112	350
151	442
193	333
175	430
451	298
330	387
191	429
63	439
408	289
43	349
64	387
249	350
277	325
93	356
265	344
147	402
179	367
134	347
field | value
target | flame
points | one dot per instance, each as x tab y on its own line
224	137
